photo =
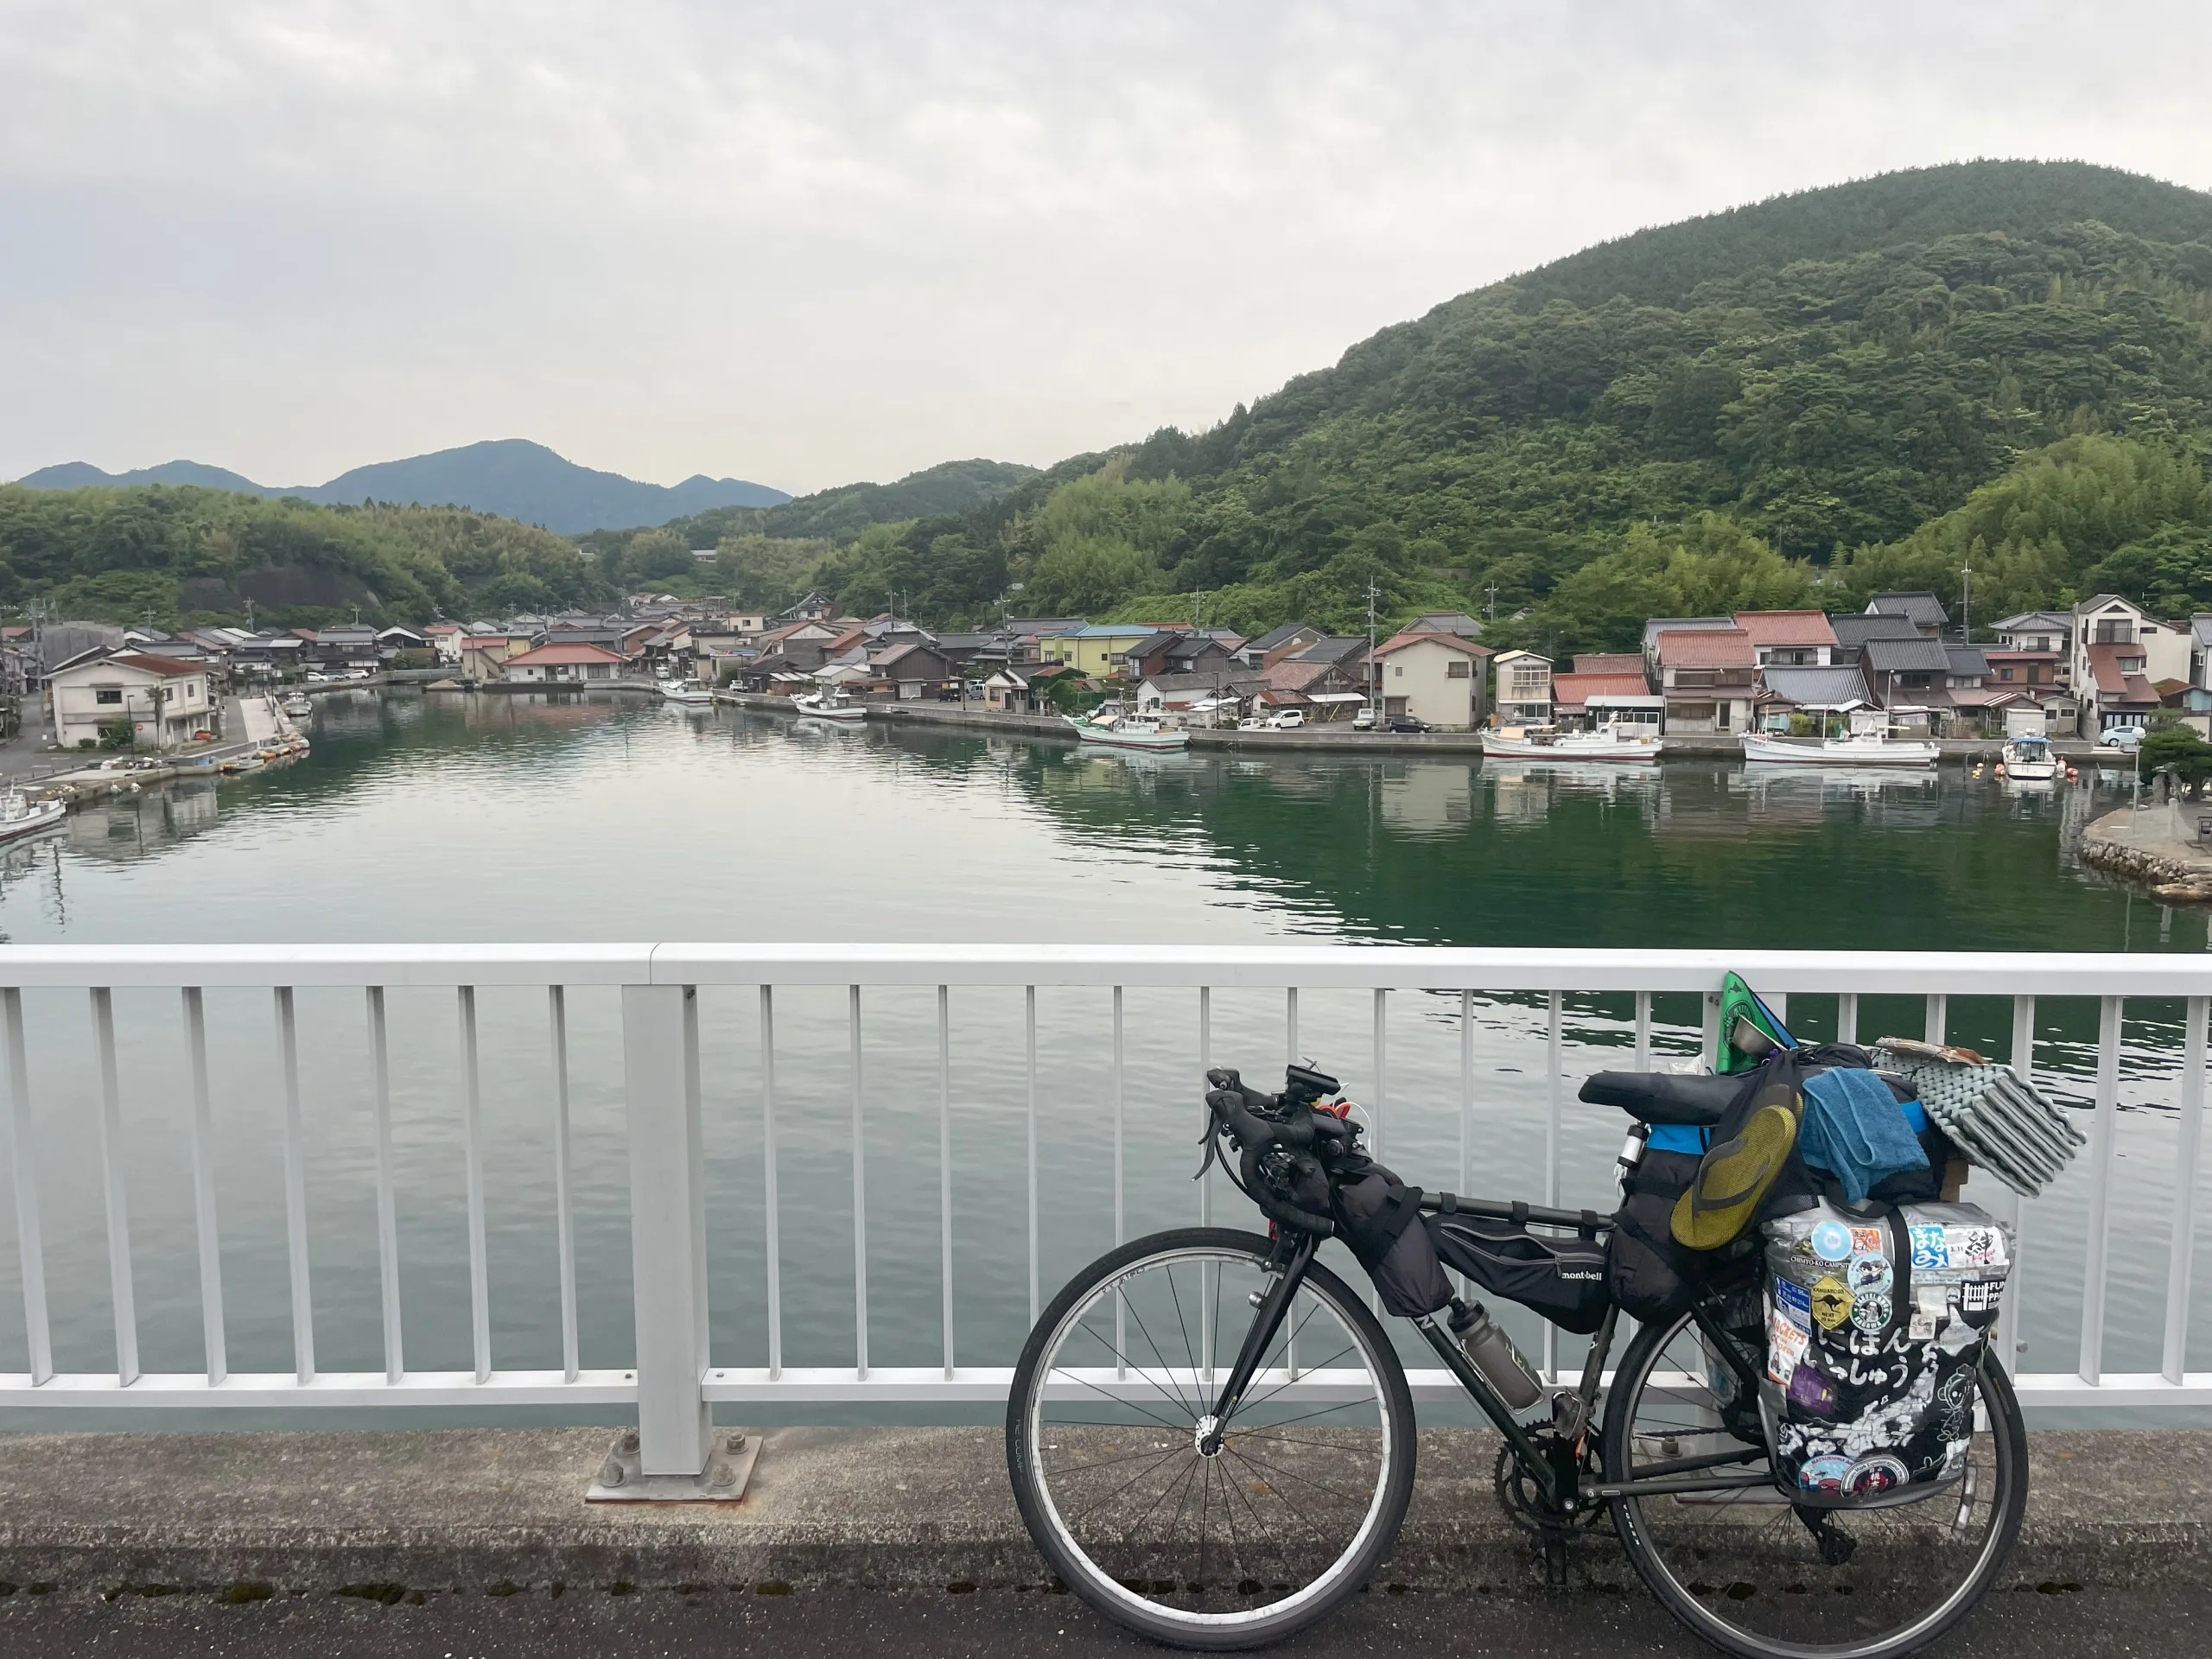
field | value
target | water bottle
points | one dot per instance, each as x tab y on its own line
1492	1353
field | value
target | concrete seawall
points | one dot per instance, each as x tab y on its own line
396	1514
1340	737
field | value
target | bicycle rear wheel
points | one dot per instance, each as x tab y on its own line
1745	1572
1110	1404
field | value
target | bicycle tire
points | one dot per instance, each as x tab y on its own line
1093	1583
2009	1435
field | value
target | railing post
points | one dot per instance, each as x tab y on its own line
668	1225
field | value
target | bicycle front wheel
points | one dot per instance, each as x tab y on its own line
1107	1428
1741	1568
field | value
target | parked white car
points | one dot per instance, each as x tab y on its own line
2123	737
1286	720
1365	720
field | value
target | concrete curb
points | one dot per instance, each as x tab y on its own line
395	1514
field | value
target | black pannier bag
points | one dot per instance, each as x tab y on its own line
1378	1216
1560	1275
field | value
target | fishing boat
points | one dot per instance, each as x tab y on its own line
1614	740
687	695
1871	742
1120	731
2029	760
830	705
20	816
297	705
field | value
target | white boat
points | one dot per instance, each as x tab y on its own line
830	705
1867	748
2029	760
297	705
1612	742
1120	731
20	816
688	696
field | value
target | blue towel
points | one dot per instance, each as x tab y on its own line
1854	1129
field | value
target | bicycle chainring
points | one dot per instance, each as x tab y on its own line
1522	1499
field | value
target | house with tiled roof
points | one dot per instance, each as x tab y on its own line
1789	639
165	699
565	663
1709	677
1441	678
2120	651
1920	607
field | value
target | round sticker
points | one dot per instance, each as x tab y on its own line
1872	1475
1831	1240
1831	1303
1870	1311
1824	1474
1870	1273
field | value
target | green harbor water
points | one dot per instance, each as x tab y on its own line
451	818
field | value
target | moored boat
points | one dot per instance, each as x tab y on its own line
1122	731
1871	742
2029	760
297	705
828	705
1612	742
688	696
21	815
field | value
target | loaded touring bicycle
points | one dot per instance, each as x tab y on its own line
1790	1414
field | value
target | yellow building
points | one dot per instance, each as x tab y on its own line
1094	649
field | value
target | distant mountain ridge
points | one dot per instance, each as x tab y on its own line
512	477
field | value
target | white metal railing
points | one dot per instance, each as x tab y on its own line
674	1380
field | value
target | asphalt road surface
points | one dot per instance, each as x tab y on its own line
2171	1619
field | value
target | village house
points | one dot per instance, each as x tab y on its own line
1709	677
1442	679
565	663
1176	651
1092	649
1209	699
484	656
349	645
1524	689
915	672
392	641
1920	608
1819	693
1276	643
2125	663
165	700
1854	634
1327	680
1607	688
1909	678
445	639
2038	630
1789	639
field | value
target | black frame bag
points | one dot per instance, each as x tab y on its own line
1562	1276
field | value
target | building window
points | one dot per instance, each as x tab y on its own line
1459	671
2113	631
1398	669
1528	681
107	694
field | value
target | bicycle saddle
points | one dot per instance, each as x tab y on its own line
1662	1097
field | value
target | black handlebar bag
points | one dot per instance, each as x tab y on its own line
1379	1217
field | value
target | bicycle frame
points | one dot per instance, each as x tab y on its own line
1556	1468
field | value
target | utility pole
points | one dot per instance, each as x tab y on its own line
1372	669
1966	603
1492	591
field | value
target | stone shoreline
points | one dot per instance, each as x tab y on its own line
2153	850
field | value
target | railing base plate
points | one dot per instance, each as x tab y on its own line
727	1473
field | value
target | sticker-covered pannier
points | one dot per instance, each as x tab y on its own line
1877	1320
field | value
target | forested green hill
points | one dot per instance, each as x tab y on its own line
183	554
1783	403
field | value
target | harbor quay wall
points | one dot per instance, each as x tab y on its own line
407	1514
2154	846
1340	736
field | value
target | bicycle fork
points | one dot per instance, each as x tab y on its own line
1274	1305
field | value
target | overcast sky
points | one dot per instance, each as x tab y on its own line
808	244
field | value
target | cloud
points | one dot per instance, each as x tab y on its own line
809	245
